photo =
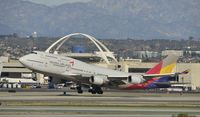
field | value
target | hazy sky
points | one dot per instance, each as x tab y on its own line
56	2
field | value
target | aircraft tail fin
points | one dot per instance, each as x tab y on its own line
167	65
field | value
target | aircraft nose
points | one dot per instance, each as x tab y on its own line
22	60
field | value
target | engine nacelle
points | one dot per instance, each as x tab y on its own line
135	79
34	79
97	80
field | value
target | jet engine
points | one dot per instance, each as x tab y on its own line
135	79
97	80
34	79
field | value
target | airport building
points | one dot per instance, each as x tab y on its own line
176	52
13	72
191	79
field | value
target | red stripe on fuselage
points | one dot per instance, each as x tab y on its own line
141	85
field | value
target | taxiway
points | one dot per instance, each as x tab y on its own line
111	104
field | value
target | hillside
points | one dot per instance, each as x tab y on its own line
144	19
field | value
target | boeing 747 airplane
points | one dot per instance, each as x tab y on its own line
63	67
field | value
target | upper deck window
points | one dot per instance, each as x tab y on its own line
50	56
33	52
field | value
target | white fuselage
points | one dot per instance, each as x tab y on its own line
69	68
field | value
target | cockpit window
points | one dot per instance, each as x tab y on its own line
33	52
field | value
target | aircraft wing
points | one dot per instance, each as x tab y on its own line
111	80
149	76
115	81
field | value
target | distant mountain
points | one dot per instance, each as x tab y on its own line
104	18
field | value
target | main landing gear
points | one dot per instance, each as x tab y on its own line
94	89
79	89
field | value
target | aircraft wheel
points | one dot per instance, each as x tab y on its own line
80	91
89	90
93	92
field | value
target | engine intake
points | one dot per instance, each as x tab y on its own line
97	80
134	79
129	79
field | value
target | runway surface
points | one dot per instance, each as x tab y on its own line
110	104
